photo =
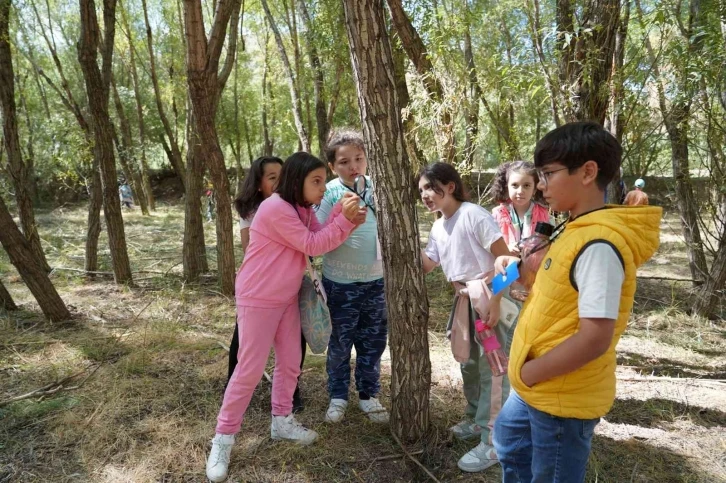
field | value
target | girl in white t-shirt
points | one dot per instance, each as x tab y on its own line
465	242
259	184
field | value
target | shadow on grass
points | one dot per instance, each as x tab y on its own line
668	367
636	461
652	412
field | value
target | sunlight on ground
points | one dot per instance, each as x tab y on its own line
147	413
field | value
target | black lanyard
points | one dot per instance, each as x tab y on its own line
362	196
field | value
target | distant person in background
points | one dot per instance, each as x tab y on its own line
124	192
637	196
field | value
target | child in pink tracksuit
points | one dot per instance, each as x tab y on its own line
283	232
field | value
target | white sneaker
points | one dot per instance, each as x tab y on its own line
478	459
374	409
218	460
336	410
287	427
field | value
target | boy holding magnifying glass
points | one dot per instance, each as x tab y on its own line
353	281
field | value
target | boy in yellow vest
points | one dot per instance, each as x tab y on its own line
562	360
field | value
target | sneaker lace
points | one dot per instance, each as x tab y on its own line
336	406
222	453
296	425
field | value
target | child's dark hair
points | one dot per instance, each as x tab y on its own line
342	137
250	197
576	143
499	190
444	173
292	177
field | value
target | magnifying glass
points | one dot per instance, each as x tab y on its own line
360	187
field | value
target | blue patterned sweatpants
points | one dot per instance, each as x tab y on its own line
359	317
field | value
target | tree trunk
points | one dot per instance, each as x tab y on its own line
145	181
474	94
712	290
6	300
321	112
16	167
406	299
268	145
413	150
34	276
416	51
291	81
93	224
173	153
124	148
617	93
194	251
205	83
93	184
97	89
676	122
29	147
586	53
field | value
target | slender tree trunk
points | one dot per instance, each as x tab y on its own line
373	72
291	80
675	119
97	88
194	250
269	144
93	222
321	112
29	148
205	82
474	94
551	81
404	100
416	51
145	181
237	143
712	290
617	119
25	261
17	169
93	183
124	148
6	300
173	153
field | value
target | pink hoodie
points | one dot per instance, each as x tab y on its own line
274	263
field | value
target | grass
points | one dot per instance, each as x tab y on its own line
149	410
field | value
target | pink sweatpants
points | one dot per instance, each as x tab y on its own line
260	329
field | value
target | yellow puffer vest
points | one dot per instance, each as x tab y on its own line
550	314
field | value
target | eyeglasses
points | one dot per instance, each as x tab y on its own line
544	176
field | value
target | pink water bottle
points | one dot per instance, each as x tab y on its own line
495	354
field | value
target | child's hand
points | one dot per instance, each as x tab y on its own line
349	205
501	263
360	217
514	248
494	311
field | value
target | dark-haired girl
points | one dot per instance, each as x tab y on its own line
465	241
284	231
515	190
259	185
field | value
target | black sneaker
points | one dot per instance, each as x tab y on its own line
298	405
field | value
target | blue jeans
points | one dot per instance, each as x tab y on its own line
536	447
